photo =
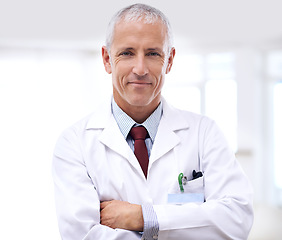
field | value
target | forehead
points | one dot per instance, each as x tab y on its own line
139	32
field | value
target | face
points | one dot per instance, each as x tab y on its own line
138	61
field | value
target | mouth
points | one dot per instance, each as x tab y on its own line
139	86
139	83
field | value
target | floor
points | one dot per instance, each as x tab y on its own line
267	223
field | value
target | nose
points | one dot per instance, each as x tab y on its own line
140	67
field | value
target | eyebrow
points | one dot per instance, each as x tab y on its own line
148	49
125	49
155	49
159	50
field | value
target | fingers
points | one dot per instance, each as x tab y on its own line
121	214
109	215
104	204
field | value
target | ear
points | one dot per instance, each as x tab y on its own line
106	60
170	60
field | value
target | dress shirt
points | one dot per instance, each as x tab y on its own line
125	123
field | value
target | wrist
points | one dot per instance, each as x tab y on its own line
135	219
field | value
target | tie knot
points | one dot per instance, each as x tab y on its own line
138	133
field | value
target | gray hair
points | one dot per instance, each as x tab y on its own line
138	12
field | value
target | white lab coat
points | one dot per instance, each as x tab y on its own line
93	163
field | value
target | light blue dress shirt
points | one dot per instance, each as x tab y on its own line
125	123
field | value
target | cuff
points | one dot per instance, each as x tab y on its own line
151	224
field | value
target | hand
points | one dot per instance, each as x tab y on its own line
121	214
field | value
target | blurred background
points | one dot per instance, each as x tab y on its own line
228	66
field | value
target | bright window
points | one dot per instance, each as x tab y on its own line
184	97
274	71
221	94
221	105
277	133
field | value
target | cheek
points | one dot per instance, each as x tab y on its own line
159	71
119	74
121	69
162	66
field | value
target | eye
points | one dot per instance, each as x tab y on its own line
153	54
126	53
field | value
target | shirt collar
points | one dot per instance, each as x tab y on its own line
125	122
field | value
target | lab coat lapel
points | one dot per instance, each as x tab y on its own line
111	135
113	139
166	138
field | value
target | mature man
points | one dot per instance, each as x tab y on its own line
180	180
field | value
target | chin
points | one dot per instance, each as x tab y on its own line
141	101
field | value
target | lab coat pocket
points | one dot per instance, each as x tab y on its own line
195	186
193	192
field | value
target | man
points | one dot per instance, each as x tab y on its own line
190	188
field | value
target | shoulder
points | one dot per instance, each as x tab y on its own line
97	119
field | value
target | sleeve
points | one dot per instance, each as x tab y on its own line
77	201
227	210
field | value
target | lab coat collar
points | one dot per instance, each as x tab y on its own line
166	138
171	116
100	116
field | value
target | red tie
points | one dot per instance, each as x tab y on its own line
140	150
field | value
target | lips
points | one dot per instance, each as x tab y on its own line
140	83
